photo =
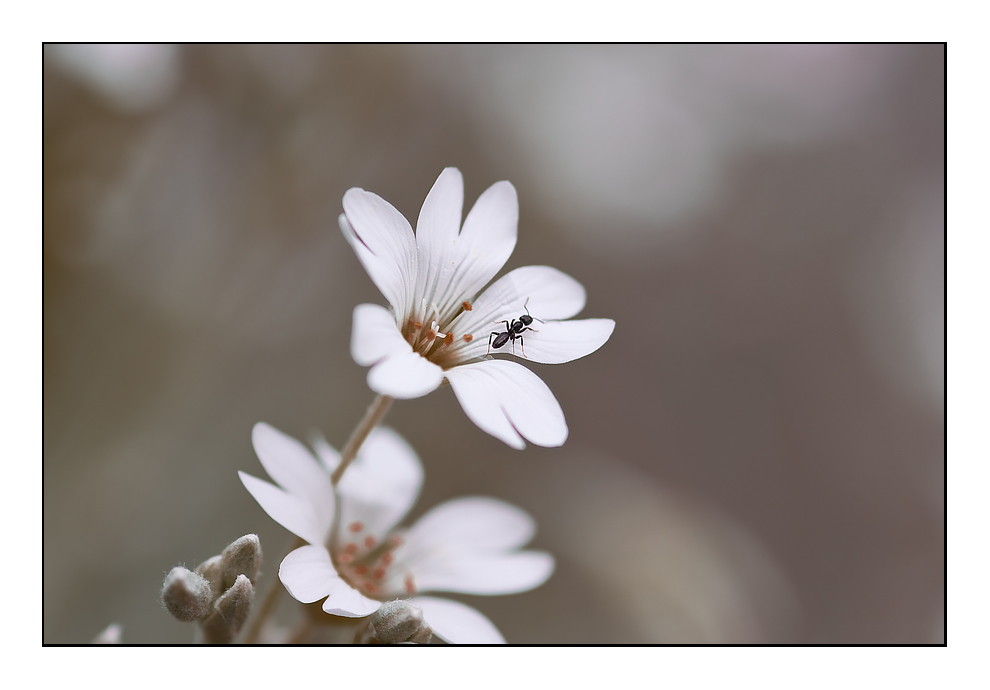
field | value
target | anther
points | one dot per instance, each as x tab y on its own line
345	558
467	306
449	339
387	558
468	337
351	548
410	585
378	573
369	542
355	526
370	588
360	570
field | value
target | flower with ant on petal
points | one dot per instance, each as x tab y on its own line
357	558
440	327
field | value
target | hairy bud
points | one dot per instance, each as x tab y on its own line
229	613
186	595
242	557
395	622
212	570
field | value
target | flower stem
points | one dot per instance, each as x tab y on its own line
267	605
374	415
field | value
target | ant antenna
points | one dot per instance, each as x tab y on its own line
526	307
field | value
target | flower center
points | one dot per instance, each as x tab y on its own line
431	342
369	566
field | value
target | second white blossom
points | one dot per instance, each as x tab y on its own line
357	557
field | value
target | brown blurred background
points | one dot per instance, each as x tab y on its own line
757	455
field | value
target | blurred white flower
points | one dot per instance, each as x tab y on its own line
439	327
357	559
134	77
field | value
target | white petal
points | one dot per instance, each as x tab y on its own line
436	242
509	402
440	218
547	293
482	573
328	456
374	335
464	546
381	486
556	342
405	376
384	243
295	469
484	245
457	623
347	601
490	231
308	574
475	522
290	511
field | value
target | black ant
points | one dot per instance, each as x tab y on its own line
513	331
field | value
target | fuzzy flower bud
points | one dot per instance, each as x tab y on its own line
212	570
395	622
186	595
242	557
229	613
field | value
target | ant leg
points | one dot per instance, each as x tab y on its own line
490	343
522	345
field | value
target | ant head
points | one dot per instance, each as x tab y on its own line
526	318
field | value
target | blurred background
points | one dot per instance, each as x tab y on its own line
757	454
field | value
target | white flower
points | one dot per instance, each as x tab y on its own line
357	559
440	327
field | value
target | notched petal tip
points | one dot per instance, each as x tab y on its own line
508	401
